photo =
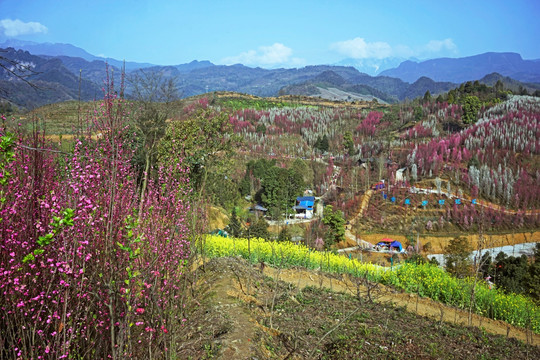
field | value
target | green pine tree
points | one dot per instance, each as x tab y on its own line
336	224
234	228
456	257
258	229
348	143
284	235
324	144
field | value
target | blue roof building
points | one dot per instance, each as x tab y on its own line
304	206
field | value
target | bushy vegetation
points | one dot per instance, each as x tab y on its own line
274	187
513	274
492	160
429	138
237	103
86	272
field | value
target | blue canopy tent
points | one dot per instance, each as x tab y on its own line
391	244
397	245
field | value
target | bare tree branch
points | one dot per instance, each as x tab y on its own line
17	69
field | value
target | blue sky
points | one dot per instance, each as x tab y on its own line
276	33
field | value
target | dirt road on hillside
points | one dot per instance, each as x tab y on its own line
437	244
349	236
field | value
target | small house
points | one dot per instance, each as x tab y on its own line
366	162
258	210
304	207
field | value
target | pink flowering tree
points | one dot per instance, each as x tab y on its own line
85	273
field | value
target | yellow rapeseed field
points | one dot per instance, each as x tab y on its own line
425	279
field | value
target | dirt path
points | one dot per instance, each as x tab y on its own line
234	324
358	242
351	239
365	203
363	206
422	306
223	312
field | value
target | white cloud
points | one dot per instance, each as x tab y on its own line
403	51
358	48
277	54
435	46
18	27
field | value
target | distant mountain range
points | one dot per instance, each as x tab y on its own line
65	51
52	81
382	88
55	70
69	50
469	68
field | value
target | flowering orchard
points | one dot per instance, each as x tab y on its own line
491	167
490	147
84	275
493	160
424	279
266	130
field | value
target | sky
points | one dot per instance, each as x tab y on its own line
276	33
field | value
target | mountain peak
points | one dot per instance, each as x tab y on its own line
468	68
371	66
511	55
195	64
330	77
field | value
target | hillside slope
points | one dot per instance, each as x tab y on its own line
242	311
52	81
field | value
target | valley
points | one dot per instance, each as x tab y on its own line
205	188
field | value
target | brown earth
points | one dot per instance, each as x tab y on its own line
216	218
421	306
436	245
439	243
